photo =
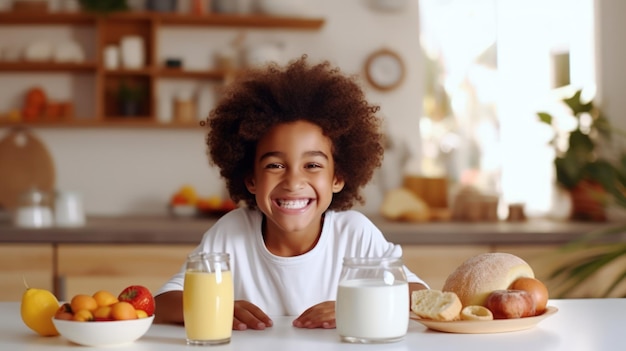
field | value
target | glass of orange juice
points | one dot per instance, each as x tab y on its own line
208	299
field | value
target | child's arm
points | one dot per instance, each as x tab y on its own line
169	307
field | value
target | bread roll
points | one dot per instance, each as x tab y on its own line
478	276
476	313
402	205
507	304
435	304
537	290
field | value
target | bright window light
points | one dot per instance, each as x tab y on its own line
491	65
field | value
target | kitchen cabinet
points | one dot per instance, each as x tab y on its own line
31	262
87	268
96	87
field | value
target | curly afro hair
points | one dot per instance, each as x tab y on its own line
264	97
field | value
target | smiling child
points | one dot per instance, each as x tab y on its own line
296	145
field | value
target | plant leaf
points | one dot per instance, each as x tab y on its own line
575	104
545	117
603	126
568	171
580	145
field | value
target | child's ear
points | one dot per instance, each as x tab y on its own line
250	185
338	184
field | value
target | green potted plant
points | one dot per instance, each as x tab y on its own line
598	254
588	166
130	98
592	170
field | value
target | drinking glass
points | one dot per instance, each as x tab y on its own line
208	299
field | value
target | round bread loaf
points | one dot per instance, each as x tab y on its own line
478	276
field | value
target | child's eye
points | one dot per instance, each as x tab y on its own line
274	165
313	165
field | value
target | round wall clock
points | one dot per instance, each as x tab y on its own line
384	69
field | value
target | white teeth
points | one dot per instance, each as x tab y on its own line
293	204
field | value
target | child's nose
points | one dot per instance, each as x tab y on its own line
294	180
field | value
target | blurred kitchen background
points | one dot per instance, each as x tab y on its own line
475	74
460	85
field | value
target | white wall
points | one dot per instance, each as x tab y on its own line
134	171
611	59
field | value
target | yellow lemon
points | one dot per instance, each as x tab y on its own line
37	309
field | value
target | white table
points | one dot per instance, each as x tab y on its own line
582	324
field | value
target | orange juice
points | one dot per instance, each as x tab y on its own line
208	306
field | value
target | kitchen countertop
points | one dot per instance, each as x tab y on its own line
579	324
171	230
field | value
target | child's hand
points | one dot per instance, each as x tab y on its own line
249	315
321	315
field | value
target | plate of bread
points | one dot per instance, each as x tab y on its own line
488	293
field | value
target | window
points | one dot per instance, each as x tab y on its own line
491	65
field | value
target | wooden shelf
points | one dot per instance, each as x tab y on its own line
103	85
251	21
179	73
110	122
47	67
33	18
147	71
216	20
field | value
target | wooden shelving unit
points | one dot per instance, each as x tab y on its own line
109	30
7	67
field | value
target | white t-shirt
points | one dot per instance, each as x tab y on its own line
287	286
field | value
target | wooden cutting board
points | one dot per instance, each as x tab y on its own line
24	163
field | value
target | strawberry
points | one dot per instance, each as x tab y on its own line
140	297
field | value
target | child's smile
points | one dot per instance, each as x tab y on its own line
293	204
294	180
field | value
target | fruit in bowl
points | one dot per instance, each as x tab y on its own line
183	202
99	319
105	333
214	206
104	319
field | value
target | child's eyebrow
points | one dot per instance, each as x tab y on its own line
282	154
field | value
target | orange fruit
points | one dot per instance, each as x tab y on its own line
104	298
123	310
83	316
83	302
102	313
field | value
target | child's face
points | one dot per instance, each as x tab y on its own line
294	177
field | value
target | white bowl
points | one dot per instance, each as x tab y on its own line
183	211
103	333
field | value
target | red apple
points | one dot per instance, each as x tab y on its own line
140	297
